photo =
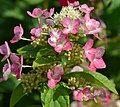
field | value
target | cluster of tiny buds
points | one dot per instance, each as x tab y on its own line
76	54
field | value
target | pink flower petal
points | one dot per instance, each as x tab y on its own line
49	74
78	95
16	66
99	63
6	70
66	22
36	32
51	83
5	50
68	46
88	44
99	52
90	54
35	13
84	8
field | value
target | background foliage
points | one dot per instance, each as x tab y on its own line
13	12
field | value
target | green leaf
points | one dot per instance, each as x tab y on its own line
29	51
33	2
113	4
16	95
14	13
45	56
9	85
58	97
94	79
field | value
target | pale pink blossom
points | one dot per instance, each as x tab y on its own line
5	50
16	66
87	10
36	32
18	33
82	94
84	8
104	94
98	62
59	41
54	76
78	95
48	14
93	27
71	26
89	51
94	55
35	13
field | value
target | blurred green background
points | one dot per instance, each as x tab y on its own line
13	12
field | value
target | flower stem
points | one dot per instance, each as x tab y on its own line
26	39
26	66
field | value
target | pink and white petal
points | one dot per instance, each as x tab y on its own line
88	44
78	95
66	30
66	22
51	83
58	48
99	63
52	11
52	41
90	54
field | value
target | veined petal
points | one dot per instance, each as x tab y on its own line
51	83
90	54
99	63
88	44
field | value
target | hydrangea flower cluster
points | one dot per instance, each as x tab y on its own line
63	33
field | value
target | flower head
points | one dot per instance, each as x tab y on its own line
94	55
82	94
35	13
89	51
98	62
18	33
36	32
54	76
59	41
5	50
71	26
17	63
